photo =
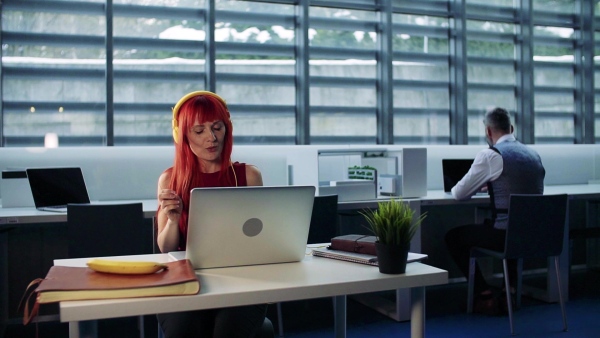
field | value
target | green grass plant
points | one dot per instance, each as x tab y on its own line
392	222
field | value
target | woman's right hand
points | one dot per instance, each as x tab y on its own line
170	204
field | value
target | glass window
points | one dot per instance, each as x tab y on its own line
597	81
491	26
555	6
557	127
554	81
157	58
53	76
427	36
55	73
255	68
495	39
504	3
555	102
555	77
491	73
343	96
480	101
422	128
421	94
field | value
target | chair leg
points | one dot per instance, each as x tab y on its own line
519	286
508	298
141	326
279	320
471	284
560	295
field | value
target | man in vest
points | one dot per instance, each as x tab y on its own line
506	167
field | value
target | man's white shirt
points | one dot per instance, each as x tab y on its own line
487	166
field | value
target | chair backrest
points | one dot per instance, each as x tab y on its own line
324	219
107	230
536	225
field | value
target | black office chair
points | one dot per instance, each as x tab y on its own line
107	230
536	228
323	227
96	230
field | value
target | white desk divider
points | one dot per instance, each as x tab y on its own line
15	186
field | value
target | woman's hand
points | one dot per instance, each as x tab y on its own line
170	204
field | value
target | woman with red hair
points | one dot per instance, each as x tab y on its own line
202	132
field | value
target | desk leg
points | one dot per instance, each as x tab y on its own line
417	314
3	282
339	307
83	329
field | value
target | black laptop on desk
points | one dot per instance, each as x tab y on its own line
454	170
54	188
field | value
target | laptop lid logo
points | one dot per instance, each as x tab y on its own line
252	227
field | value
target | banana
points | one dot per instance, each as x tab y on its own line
124	267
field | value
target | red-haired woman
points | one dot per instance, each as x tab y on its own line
202	132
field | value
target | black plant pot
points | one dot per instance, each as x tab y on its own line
392	258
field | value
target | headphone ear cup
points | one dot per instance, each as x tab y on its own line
176	134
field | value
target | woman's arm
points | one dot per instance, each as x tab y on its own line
253	175
170	207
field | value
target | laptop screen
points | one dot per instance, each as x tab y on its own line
454	170
53	187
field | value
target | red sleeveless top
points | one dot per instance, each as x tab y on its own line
210	180
216	180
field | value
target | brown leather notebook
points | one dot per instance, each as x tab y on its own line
63	283
355	243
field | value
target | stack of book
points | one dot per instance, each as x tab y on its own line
65	283
359	257
345	256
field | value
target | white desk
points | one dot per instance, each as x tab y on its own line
27	215
439	197
314	277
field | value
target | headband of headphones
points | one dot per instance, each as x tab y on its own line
183	100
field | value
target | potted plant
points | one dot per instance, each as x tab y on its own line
394	226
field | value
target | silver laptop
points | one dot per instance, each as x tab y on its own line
54	188
248	225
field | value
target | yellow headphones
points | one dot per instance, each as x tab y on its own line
181	101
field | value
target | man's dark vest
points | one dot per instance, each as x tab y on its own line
522	173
